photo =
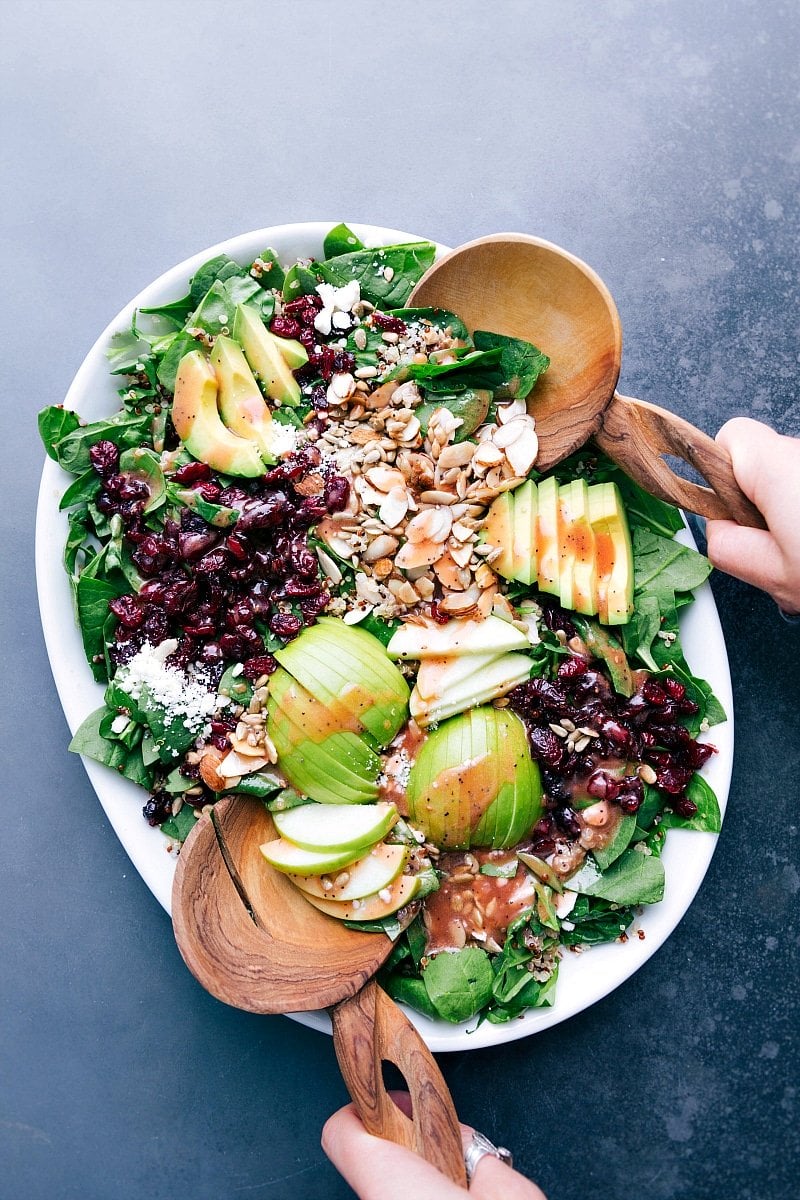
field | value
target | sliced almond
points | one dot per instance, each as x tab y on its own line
354	615
487	455
436	496
329	567
418	554
507	412
383	545
486	601
461	553
462	532
403	591
523	452
385	478
459	604
450	574
394	507
236	765
457	455
382	396
507	434
367	589
243	747
432	524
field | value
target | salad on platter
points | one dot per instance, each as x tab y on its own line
313	561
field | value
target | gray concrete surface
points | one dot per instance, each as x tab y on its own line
659	141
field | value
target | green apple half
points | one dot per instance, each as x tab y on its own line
474	782
349	674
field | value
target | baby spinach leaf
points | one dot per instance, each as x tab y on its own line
459	983
595	921
470	406
663	566
635	878
55	422
341	240
84	488
386	274
441	317
92	598
606	855
124	429
126	352
299	281
707	819
407	989
605	647
180	345
181	825
270	273
521	363
215	514
89	741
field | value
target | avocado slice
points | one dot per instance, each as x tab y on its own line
498	531
199	426
547	524
614	553
241	404
525	509
263	352
577	556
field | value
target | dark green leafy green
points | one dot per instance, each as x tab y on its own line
124	429
181	825
608	854
299	281
410	990
385	274
82	489
268	269
521	363
55	423
341	240
605	647
635	878
707	819
440	317
459	984
595	921
110	752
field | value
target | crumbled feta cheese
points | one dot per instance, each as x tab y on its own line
182	694
337	306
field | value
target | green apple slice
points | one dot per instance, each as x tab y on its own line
498	532
290	859
525	507
547	536
497	678
371	908
334	827
366	875
456	639
578	559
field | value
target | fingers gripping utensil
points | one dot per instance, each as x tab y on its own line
525	287
250	938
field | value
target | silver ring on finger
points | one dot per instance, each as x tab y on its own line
478	1148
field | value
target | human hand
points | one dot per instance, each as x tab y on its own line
381	1170
767	468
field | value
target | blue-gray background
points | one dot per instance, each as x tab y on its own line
659	140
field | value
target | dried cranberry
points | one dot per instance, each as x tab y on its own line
104	457
285	327
237	546
603	786
192	472
674	688
654	693
684	807
304	560
158	808
312	606
673	779
215	560
265	513
294	308
128	610
311	510
388	323
285	625
337	493
262	664
545	746
194	542
699	753
573	666
209	490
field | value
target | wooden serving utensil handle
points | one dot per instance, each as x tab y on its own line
635	434
369	1029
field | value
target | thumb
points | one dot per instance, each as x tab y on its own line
750	554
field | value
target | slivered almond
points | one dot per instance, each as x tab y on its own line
236	765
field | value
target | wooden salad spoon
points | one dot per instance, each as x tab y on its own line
250	938
522	286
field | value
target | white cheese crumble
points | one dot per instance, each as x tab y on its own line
181	694
337	306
